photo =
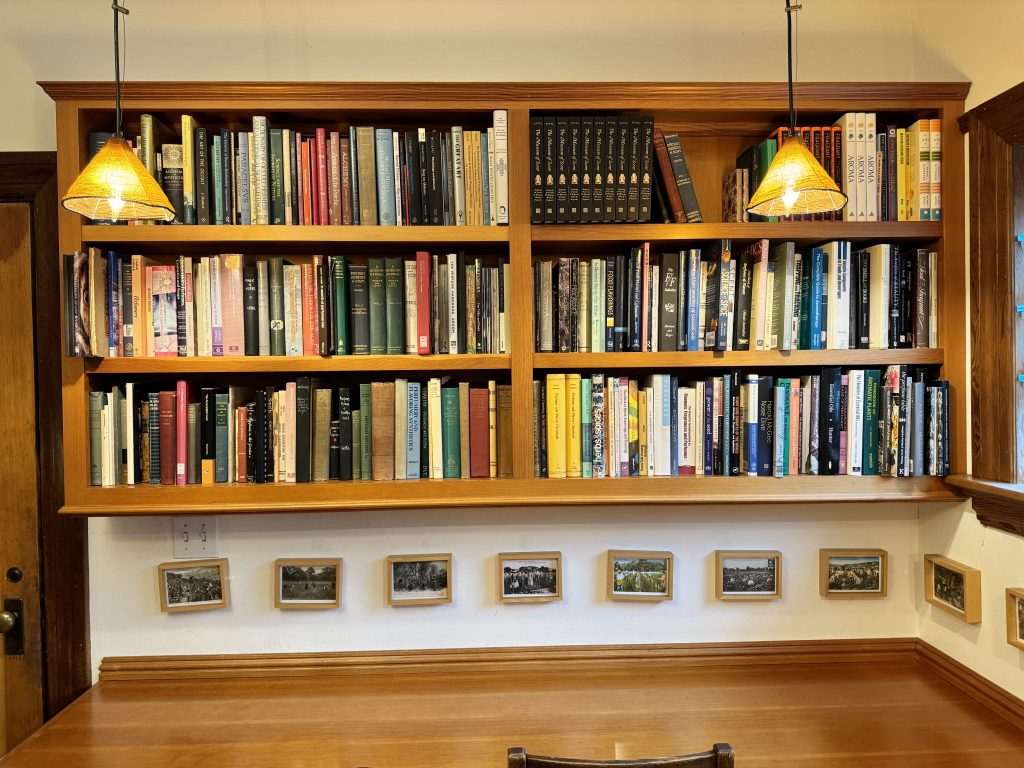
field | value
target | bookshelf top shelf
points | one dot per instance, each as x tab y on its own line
309	235
804	232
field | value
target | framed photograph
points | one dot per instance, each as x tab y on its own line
194	585
419	579
308	583
1015	616
530	577
853	573
953	587
639	575
748	574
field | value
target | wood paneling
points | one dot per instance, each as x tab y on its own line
883	710
998	505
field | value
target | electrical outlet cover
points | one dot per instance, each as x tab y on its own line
195	537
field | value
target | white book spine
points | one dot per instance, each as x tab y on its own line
216	308
293	309
411	310
657	457
434	426
401	427
805	421
263	306
788	296
597	305
500	175
760	284
260	132
855	424
458	176
399	178
860	119
871	171
492	193
842	314
847	124
453	303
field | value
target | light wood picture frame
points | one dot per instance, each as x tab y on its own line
953	587
636	575
418	579
853	574
748	574
529	577
307	583
1015	616
194	585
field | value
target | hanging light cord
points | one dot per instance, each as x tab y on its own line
791	9
118	11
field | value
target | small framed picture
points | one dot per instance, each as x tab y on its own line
308	583
748	574
1015	616
853	573
419	579
194	585
639	575
530	577
953	587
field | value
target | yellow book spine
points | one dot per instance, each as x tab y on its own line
556	425
641	396
634	427
574	425
901	174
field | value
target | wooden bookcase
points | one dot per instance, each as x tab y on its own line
716	121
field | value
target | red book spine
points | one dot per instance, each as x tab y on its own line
307	213
323	201
310	324
675	202
241	440
423	319
168	438
479	438
346	182
181	433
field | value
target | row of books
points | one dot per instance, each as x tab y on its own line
303	432
364	175
839	422
761	298
590	169
891	174
229	304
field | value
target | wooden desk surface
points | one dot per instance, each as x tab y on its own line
834	715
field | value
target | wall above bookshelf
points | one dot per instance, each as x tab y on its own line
714	121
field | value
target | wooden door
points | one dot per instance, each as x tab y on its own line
21	676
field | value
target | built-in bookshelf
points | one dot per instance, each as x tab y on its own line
715	123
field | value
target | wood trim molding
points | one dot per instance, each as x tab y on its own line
647	95
794	652
997	505
982	690
1004	114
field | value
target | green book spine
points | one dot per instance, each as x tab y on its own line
341	306
218	182
378	307
276	295
357	447
394	274
221	437
767	150
276	176
805	307
450	445
872	381
365	420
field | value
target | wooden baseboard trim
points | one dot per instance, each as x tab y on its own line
484	660
982	690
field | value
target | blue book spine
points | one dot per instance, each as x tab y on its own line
597	424
412	464
817	289
709	417
586	424
244	203
154	438
485	166
665	416
385	177
673	427
778	451
750	425
113	301
353	165
692	300
726	434
218	181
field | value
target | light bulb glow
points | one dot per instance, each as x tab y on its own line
789	197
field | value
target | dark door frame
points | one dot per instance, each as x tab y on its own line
31	177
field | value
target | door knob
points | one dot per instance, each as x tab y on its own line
7	621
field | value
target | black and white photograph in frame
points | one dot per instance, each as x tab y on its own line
748	575
307	583
953	587
419	579
1015	616
193	585
530	577
853	573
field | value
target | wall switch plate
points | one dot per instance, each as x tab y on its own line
195	537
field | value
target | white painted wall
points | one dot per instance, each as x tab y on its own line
527	40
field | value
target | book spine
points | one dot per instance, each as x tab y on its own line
377	306
682	179
168	438
646	168
622	158
499	180
276	172
394	306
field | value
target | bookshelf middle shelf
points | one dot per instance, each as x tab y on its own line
294	364
867	358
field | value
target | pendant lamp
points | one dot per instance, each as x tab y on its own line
795	182
115	185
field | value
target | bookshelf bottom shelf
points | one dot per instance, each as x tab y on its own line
243	498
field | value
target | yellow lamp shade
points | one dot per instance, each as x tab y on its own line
795	183
116	185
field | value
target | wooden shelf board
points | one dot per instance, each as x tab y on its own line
804	231
869	358
227	235
277	364
246	498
